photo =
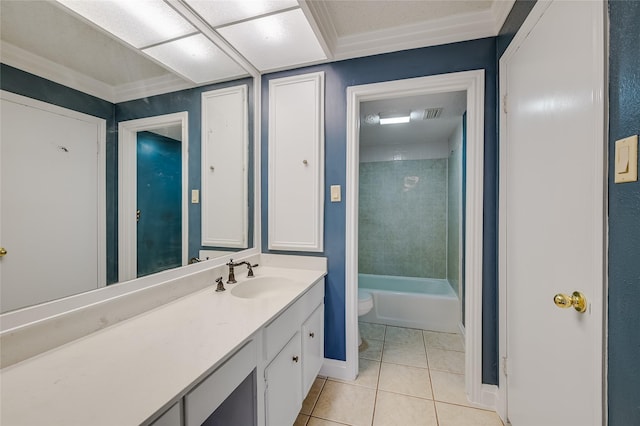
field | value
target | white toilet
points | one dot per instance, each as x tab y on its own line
365	303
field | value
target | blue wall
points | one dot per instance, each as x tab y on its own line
25	84
465	56
190	100
624	219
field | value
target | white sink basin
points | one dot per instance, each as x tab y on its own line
264	287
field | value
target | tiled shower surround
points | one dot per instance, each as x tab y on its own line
403	218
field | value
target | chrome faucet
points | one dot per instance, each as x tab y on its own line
232	276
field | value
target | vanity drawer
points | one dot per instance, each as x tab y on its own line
280	330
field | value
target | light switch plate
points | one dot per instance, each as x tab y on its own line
336	196
626	160
195	196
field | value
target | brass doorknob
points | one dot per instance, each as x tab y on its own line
3	251
577	300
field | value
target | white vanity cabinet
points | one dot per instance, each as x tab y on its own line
283	397
294	352
296	163
312	348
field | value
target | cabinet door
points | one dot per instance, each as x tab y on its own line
225	145
296	163
312	348
283	398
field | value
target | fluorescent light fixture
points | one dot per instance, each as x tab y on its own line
275	41
196	58
222	12
395	120
138	22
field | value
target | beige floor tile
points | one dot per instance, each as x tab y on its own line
314	421
450	361
401	410
456	415
301	420
372	351
406	380
447	341
370	331
449	387
345	403
311	399
368	372
403	335
405	353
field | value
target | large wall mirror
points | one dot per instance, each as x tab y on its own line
68	88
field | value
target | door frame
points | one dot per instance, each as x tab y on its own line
473	83
127	182
600	168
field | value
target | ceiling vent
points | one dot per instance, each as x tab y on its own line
431	113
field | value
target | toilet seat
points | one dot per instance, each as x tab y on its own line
365	302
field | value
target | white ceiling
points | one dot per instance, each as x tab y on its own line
45	38
418	130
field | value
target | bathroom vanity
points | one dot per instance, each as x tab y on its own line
248	355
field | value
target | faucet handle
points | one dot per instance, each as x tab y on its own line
220	286
250	267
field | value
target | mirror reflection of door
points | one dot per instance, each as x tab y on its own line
159	195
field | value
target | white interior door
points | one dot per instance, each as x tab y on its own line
50	203
552	185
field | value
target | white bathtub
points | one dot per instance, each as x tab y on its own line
425	303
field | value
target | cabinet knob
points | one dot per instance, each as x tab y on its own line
312	334
305	162
295	358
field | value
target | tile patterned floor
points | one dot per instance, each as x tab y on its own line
407	377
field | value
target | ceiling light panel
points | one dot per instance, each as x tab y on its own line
196	58
138	22
221	12
275	41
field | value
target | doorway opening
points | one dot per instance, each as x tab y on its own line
472	84
161	143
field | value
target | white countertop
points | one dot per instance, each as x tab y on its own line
124	374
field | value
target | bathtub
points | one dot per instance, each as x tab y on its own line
425	303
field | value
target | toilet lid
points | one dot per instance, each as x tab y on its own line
364	295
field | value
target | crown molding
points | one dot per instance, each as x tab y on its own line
34	64
500	10
320	20
150	87
441	31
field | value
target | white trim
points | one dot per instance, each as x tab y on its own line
340	370
150	87
127	136
49	70
101	169
500	10
473	83
37	65
600	128
449	29
322	27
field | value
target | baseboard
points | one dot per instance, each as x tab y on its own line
336	369
488	397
